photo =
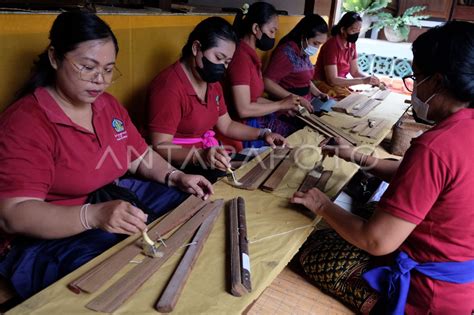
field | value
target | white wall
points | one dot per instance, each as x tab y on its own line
294	7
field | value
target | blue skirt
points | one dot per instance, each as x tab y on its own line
33	264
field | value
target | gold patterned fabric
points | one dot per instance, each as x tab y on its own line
336	267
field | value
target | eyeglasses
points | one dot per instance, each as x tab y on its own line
409	82
90	74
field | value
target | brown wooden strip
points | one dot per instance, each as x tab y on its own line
112	298
244	245
333	131
368	130
377	130
323	180
93	279
236	286
381	95
175	286
314	126
259	173
346	104
277	176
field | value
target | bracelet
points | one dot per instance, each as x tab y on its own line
83	216
168	175
363	163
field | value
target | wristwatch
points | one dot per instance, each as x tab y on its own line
263	132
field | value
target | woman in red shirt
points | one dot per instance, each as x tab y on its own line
290	70
338	58
65	138
256	28
427	211
185	102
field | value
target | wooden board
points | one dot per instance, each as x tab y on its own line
318	181
244	245
260	172
277	176
346	104
112	298
381	95
366	108
175	286
93	279
236	285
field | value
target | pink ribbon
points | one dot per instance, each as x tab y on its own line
208	140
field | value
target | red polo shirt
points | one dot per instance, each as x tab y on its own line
174	107
246	69
43	154
335	52
290	68
433	188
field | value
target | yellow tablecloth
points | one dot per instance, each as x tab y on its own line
276	230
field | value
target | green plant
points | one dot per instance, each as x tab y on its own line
401	23
365	6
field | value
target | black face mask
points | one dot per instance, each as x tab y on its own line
211	72
265	42
352	38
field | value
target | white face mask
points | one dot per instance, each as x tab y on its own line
421	108
310	50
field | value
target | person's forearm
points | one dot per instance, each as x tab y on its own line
347	225
275	89
154	167
257	109
345	82
41	219
381	168
313	89
238	131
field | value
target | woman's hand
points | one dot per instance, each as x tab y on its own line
315	200
275	139
290	102
193	184
306	104
216	157
340	148
372	80
117	216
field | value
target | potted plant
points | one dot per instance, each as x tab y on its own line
396	29
366	9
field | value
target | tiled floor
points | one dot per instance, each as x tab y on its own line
289	293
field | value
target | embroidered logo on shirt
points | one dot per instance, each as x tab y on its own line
119	128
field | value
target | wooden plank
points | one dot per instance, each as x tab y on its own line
244	245
315	179
381	95
236	286
277	176
112	298
366	108
314	126
367	131
259	173
333	131
377	130
93	279
175	286
346	104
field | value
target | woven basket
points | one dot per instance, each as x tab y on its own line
403	132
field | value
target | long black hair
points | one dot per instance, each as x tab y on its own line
208	32
308	27
68	31
449	51
258	12
346	21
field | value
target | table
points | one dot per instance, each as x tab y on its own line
390	109
276	230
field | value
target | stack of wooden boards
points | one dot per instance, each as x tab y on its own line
322	127
193	217
370	128
359	105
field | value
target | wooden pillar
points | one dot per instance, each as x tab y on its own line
309	6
